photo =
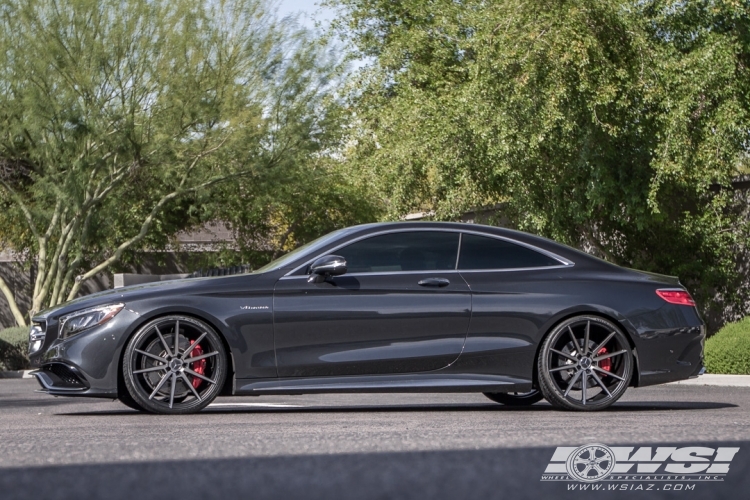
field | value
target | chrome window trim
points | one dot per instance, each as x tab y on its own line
379	273
458	254
512	269
564	263
437	271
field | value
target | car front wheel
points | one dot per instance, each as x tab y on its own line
516	398
174	365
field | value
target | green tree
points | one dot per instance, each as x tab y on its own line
310	194
612	125
119	119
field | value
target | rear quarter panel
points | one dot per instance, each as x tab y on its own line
512	311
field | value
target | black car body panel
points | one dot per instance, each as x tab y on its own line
475	330
400	327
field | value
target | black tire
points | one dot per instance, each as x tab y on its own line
124	396
585	364
128	401
515	398
174	365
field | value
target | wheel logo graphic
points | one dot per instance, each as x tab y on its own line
591	462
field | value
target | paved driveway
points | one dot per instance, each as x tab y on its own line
349	446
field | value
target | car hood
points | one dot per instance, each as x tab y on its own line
142	291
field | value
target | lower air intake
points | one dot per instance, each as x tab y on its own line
65	375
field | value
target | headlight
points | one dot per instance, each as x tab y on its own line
36	337
81	320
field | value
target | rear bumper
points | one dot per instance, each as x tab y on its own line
700	372
665	376
671	355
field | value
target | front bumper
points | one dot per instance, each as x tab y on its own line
60	378
86	364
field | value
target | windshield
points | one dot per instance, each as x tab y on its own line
298	252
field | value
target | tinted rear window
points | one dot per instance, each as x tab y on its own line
479	252
405	251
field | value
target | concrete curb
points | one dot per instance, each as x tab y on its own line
17	374
718	380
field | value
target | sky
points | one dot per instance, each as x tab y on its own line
310	11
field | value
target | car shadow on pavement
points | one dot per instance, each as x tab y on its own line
228	408
31	403
514	473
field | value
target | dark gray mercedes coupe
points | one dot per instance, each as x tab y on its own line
393	307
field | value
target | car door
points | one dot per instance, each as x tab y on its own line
513	287
401	307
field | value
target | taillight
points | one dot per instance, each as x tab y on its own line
679	297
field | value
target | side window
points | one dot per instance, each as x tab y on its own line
403	251
479	252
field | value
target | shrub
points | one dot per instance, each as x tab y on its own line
728	351
14	346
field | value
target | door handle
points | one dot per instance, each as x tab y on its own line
434	282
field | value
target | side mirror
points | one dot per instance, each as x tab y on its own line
325	267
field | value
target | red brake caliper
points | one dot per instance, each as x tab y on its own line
605	364
200	365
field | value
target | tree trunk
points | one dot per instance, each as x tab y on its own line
17	315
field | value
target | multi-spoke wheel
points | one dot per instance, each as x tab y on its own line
585	364
515	398
174	364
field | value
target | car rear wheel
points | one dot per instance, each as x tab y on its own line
174	365
585	364
515	398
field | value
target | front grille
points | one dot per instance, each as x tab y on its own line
66	376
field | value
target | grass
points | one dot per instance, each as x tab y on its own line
14	346
728	352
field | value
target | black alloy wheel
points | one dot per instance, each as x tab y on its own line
585	364
174	365
516	398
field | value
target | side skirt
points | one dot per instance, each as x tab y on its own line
427	382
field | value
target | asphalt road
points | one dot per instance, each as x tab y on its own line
388	446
